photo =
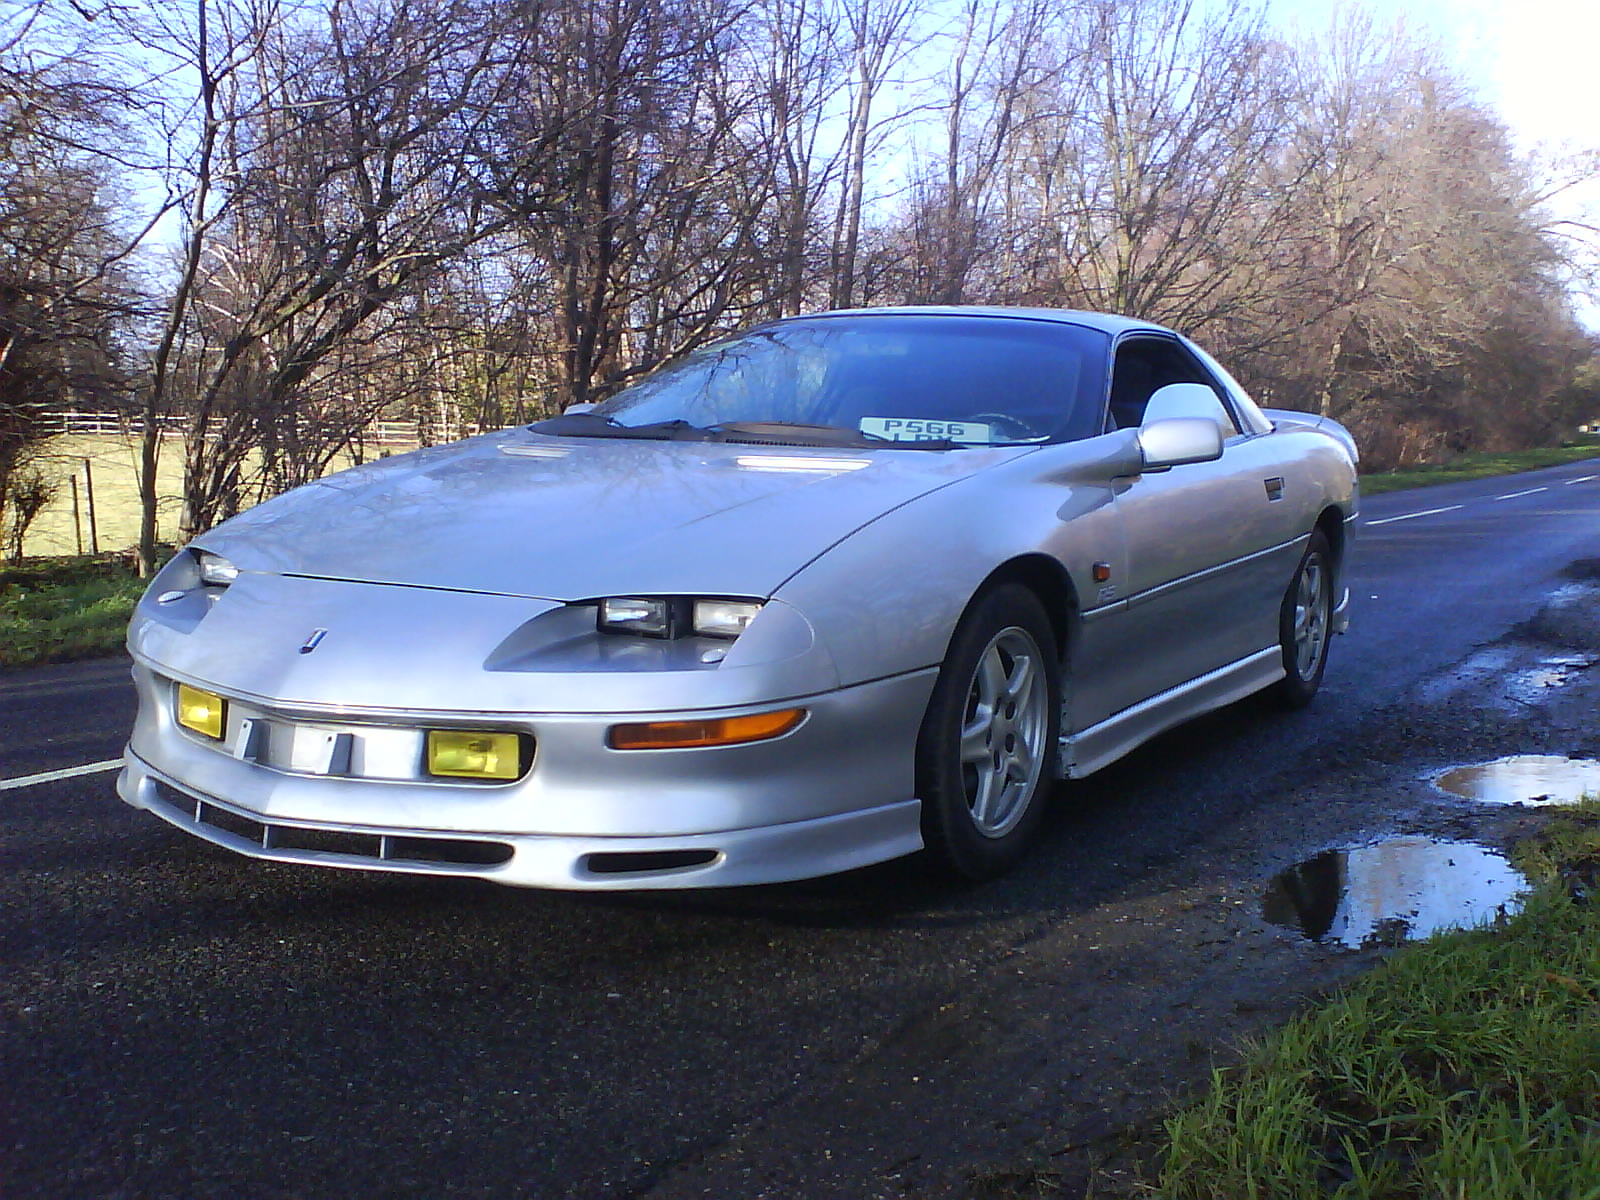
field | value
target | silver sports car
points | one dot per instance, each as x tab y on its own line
833	590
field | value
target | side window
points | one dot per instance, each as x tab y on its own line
1145	364
1251	418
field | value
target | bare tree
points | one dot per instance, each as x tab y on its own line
66	302
796	73
1157	176
1001	66
669	218
1433	317
27	493
341	164
880	38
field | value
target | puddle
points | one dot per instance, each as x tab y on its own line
1491	663
1558	670
1524	779
1392	892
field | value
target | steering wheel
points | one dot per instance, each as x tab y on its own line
1010	427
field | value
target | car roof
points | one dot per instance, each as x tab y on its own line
1109	323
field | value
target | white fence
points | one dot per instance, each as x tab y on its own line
111	424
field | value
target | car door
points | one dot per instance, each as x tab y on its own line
1210	546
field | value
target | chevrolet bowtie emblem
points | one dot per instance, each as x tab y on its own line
315	640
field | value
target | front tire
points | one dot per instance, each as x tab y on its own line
987	748
1305	625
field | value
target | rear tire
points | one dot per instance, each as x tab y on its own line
1305	625
987	749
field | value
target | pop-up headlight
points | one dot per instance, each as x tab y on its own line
647	615
215	571
724	618
676	616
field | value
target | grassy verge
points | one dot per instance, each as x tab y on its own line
58	609
1468	1066
1481	466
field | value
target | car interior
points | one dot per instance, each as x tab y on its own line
1146	364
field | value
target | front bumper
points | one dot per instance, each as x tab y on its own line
833	795
1341	613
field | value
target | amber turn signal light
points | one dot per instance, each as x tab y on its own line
719	731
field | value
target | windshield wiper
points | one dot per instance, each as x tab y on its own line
794	433
588	424
756	433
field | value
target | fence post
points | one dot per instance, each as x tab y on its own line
88	487
77	518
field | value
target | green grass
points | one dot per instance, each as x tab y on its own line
56	610
1567	850
1480	466
1467	1067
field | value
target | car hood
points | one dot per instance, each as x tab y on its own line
523	514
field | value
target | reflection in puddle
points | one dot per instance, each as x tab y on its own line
1394	891
1525	779
1557	671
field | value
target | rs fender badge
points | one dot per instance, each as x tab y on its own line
312	642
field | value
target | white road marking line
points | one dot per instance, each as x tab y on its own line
1427	512
1514	495
22	781
1582	479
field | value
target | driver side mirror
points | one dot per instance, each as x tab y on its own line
1184	400
1177	441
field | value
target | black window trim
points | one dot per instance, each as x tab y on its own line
1223	393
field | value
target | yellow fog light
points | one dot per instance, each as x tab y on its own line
471	754
720	731
203	712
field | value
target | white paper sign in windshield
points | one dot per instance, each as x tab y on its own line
922	429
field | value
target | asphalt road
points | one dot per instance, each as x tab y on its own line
178	1021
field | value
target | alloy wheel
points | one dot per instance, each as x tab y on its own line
1004	723
1311	617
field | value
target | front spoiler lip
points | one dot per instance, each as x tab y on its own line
1341	613
763	854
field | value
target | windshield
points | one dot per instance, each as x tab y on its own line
923	380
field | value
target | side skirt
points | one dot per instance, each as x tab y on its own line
1087	751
